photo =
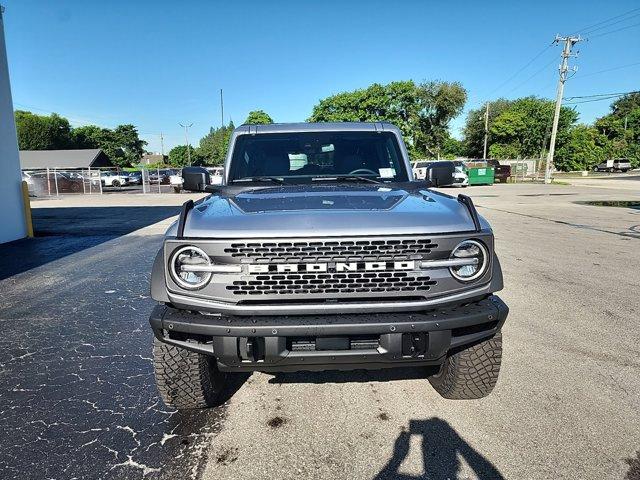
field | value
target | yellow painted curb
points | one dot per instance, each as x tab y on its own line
27	209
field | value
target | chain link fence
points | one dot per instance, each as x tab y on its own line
51	182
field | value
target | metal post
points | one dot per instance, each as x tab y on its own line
486	130
564	68
186	138
48	183
55	179
158	179
221	110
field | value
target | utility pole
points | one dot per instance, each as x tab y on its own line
186	138
486	130
569	42
221	109
162	146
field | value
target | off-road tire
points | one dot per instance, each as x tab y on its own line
186	379
471	373
115	183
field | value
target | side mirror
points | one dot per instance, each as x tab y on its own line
440	174
195	179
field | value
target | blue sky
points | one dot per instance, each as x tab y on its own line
156	63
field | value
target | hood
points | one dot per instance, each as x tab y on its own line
327	210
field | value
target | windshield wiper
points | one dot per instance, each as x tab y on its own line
260	179
356	178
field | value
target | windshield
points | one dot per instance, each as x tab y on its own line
317	156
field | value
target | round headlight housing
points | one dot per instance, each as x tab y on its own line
473	259
184	265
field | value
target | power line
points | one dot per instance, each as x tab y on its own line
585	30
612	24
614	31
535	74
538	55
609	69
615	94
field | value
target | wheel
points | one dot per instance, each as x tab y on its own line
75	187
471	373
115	183
186	379
611	170
177	189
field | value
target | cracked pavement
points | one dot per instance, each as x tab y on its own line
77	395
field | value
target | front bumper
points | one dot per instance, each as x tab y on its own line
330	342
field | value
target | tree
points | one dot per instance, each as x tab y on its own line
258	117
619	131
41	132
421	111
517	128
214	145
581	151
122	145
452	148
179	156
474	128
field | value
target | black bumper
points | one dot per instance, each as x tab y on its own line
330	342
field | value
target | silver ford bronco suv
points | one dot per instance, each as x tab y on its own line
320	251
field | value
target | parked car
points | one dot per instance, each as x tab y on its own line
420	169
460	175
216	175
176	181
135	178
501	173
161	176
619	164
114	179
55	182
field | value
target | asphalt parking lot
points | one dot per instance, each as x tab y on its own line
77	398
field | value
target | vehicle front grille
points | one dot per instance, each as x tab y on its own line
332	251
332	283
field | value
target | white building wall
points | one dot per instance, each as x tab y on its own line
12	224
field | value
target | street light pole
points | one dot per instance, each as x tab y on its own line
186	138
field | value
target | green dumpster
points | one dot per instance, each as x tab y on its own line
480	174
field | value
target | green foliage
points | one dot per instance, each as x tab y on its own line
619	131
41	132
179	156
626	105
452	148
37	132
421	111
258	117
122	145
582	150
214	145
517	128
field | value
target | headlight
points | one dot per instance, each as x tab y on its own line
473	259
186	269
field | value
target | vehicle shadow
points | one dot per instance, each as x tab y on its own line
63	231
441	449
354	376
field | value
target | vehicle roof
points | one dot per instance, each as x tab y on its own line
317	127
